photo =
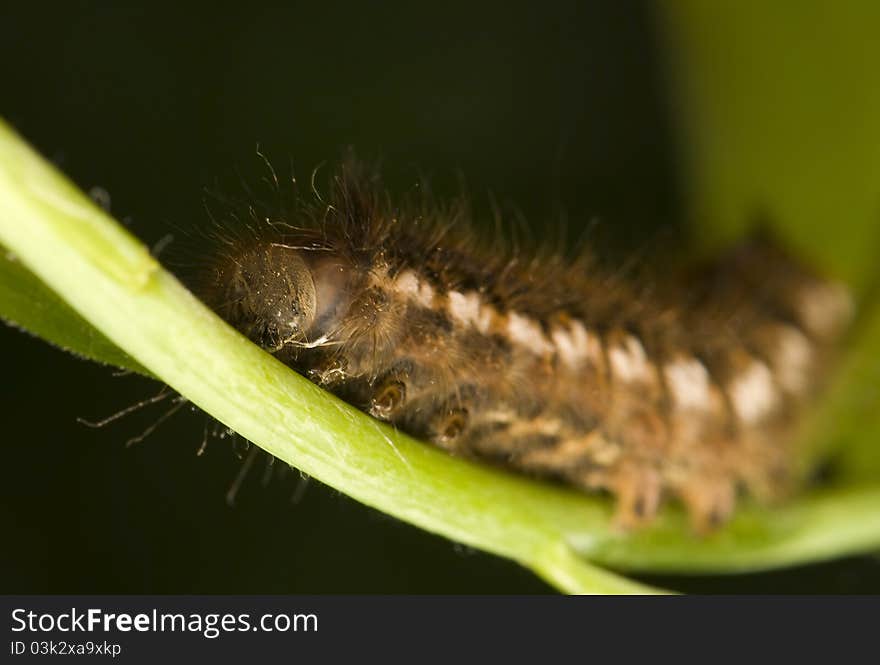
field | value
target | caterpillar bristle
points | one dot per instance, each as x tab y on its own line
529	358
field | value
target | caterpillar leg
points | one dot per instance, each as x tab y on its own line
638	491
709	501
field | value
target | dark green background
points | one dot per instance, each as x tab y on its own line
557	109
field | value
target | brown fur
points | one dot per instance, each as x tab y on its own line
533	361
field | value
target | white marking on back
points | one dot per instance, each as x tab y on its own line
464	308
488	316
793	360
629	363
566	347
689	383
468	309
526	333
426	294
576	345
407	284
825	308
411	287
752	393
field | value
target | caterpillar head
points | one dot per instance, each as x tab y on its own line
279	295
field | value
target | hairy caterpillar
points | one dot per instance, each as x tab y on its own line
536	362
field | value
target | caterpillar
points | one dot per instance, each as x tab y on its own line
538	362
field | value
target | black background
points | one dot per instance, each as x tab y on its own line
556	108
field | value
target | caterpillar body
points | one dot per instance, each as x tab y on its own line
539	363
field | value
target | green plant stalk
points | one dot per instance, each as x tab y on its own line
26	302
111	280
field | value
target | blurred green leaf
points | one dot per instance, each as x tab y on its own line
27	303
778	107
779	111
